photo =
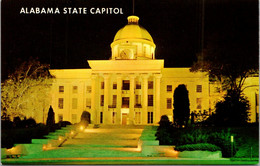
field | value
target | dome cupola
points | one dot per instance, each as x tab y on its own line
133	42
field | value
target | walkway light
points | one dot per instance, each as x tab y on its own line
232	144
44	147
60	138
81	127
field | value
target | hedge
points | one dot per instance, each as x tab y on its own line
193	147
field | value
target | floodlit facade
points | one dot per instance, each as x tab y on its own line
133	87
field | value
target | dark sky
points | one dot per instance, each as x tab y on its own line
68	41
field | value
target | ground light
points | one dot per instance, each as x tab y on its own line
44	147
60	138
81	128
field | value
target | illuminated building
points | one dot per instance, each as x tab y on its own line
133	87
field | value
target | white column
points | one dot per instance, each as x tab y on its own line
132	99
144	97
106	93
119	98
94	95
157	98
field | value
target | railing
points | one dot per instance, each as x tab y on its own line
138	106
111	106
125	91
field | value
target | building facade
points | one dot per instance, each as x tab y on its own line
132	87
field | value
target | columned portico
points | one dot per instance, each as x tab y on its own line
132	98
157	97
94	117
106	98
132	60
119	97
144	97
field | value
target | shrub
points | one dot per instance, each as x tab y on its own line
193	147
85	118
17	122
194	136
51	117
215	136
64	123
233	111
6	124
10	137
163	133
222	140
29	122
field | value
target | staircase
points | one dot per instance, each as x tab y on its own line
108	136
105	141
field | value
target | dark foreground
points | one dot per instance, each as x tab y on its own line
126	160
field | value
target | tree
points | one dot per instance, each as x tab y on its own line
26	91
85	118
229	59
181	111
231	112
51	117
164	130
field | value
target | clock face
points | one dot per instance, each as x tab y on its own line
125	54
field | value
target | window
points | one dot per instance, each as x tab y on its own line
61	102
75	89
74	118
150	117
74	103
256	99
114	86
138	85
89	89
114	101
150	100
199	88
199	103
125	102
169	103
101	117
88	102
137	117
137	101
150	84
114	117
61	89
126	84
102	100
102	85
60	117
169	88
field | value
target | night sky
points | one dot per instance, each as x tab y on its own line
68	41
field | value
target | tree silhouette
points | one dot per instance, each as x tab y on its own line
51	117
228	59
181	111
231	111
164	130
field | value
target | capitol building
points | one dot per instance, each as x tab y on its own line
133	87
